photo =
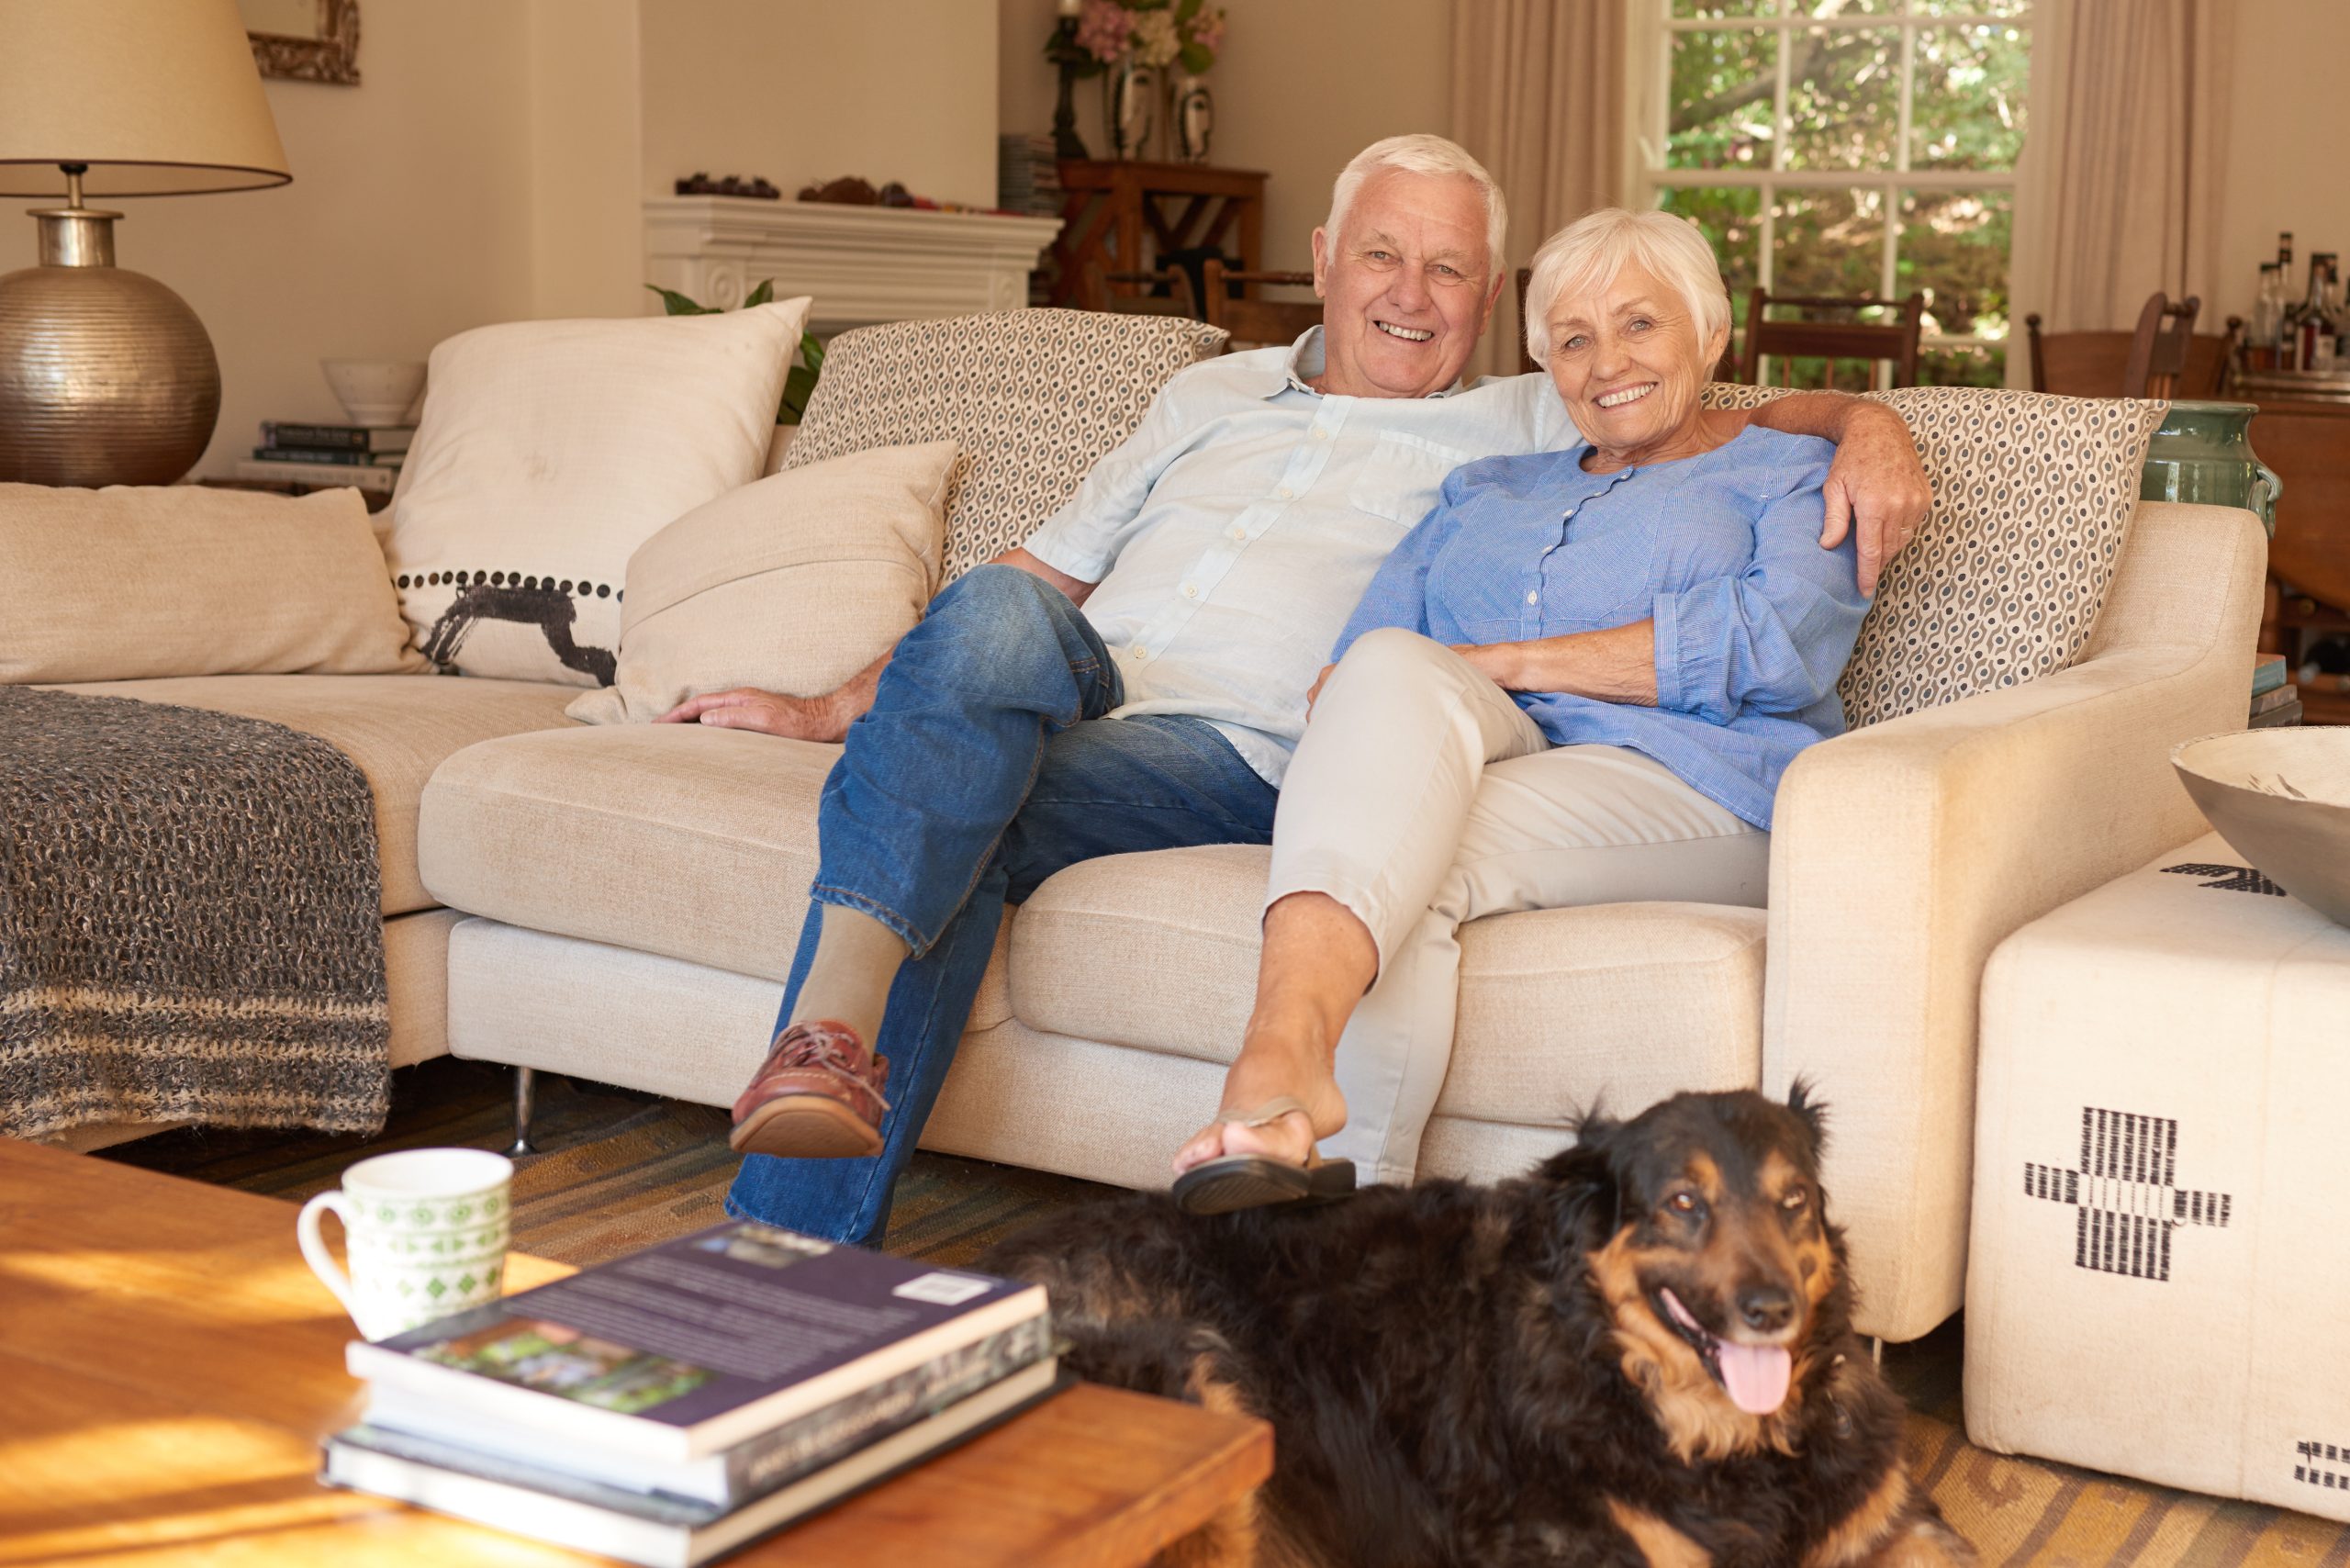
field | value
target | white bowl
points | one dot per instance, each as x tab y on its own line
375	391
2282	798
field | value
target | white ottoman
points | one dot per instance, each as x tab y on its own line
2159	1280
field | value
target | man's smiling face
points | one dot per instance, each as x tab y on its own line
1407	288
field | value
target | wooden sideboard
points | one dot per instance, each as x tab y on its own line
2308	442
1122	214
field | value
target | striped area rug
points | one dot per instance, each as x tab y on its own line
621	1171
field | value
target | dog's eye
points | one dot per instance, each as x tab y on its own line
1794	1201
1684	1203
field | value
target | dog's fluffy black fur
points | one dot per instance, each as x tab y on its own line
1490	1375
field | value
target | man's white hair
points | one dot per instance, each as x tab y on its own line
1585	256
1422	154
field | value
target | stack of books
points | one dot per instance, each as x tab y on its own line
365	457
674	1404
1027	175
2274	701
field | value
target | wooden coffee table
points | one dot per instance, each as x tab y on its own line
168	1365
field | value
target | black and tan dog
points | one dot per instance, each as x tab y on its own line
1641	1354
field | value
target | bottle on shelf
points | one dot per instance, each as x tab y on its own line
2332	350
2310	328
2284	256
2267	320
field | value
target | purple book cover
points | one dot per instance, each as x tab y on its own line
688	1330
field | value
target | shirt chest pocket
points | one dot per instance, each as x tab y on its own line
1400	479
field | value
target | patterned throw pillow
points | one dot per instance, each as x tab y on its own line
2032	497
1034	397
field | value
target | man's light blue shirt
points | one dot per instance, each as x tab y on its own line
1232	534
1754	621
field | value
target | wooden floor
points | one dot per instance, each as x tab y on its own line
622	1171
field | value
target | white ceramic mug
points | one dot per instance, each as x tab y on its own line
425	1230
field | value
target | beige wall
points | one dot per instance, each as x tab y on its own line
802	91
1301	86
409	217
2284	149
586	156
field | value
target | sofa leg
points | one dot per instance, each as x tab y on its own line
526	1091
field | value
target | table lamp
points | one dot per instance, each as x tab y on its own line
106	376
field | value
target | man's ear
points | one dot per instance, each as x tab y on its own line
1492	298
1321	263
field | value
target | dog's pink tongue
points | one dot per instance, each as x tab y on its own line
1755	1375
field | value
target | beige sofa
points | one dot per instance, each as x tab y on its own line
620	903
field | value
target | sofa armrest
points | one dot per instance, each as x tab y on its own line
1904	852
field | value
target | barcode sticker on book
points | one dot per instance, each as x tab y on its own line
945	1290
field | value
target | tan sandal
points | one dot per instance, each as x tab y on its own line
1233	1182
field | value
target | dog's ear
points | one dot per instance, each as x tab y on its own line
1811	1112
1585	1170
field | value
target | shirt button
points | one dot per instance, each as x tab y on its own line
1571	512
1141	654
1532	597
1191	590
1321	436
1284	493
1239	531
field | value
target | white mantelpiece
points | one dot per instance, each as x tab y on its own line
863	264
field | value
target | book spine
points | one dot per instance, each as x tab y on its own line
335	437
311	454
777	1459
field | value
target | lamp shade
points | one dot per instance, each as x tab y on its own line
158	98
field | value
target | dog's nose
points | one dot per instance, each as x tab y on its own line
1766	1308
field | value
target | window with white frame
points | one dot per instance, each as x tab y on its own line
1847	148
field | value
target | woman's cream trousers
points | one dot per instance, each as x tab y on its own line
1422	797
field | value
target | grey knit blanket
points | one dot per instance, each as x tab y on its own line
190	921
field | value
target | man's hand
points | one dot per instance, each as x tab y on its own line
768	712
1875	484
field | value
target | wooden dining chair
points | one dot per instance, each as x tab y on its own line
1787	342
1255	323
2154	361
1164	293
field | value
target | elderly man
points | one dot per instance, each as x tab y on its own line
1216	555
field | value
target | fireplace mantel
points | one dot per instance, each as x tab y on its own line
862	264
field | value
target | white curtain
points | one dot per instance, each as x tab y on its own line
1537	95
2122	160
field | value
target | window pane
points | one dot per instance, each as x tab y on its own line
1725	8
1954	244
1825	8
1732	219
1968	109
1723	87
1829	242
1963	364
1971	7
1843	100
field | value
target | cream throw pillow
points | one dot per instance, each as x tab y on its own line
792	584
130	582
548	452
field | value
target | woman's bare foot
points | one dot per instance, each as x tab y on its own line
1263	1072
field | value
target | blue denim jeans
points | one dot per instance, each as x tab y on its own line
983	767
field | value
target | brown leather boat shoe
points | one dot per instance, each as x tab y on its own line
817	1096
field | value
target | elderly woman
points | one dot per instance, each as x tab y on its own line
1577	681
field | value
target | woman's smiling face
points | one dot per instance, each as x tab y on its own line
1627	362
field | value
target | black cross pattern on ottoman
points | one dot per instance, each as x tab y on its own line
2126	1203
2232	879
2315	1456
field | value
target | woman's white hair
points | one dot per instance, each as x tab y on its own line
1585	256
1422	154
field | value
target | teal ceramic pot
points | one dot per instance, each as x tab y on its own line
2203	453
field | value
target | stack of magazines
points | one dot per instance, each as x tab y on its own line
674	1404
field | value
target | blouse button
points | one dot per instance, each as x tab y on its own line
1533	597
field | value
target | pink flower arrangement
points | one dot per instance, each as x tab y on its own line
1104	28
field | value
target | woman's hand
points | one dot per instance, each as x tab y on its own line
1314	691
768	712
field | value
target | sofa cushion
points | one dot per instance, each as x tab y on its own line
550	449
395	727
1557	1006
678	839
132	582
2005	581
793	583
1034	397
